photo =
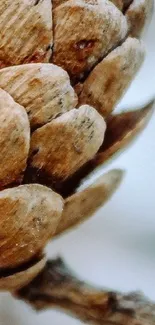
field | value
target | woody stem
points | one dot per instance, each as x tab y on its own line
56	287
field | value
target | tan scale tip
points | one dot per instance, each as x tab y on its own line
82	205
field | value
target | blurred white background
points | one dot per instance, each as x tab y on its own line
116	248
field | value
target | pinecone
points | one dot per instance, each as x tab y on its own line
64	67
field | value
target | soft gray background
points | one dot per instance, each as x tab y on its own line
117	247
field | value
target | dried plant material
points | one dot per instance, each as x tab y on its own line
118	3
62	146
15	279
81	206
84	32
43	89
121	130
29	217
126	4
89	38
138	15
56	3
14	140
109	80
56	287
26	31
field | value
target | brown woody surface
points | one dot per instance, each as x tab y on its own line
82	205
56	287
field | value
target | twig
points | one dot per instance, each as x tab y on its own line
56	287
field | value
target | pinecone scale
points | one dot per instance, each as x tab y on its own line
64	67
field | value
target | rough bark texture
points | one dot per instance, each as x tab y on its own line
56	287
